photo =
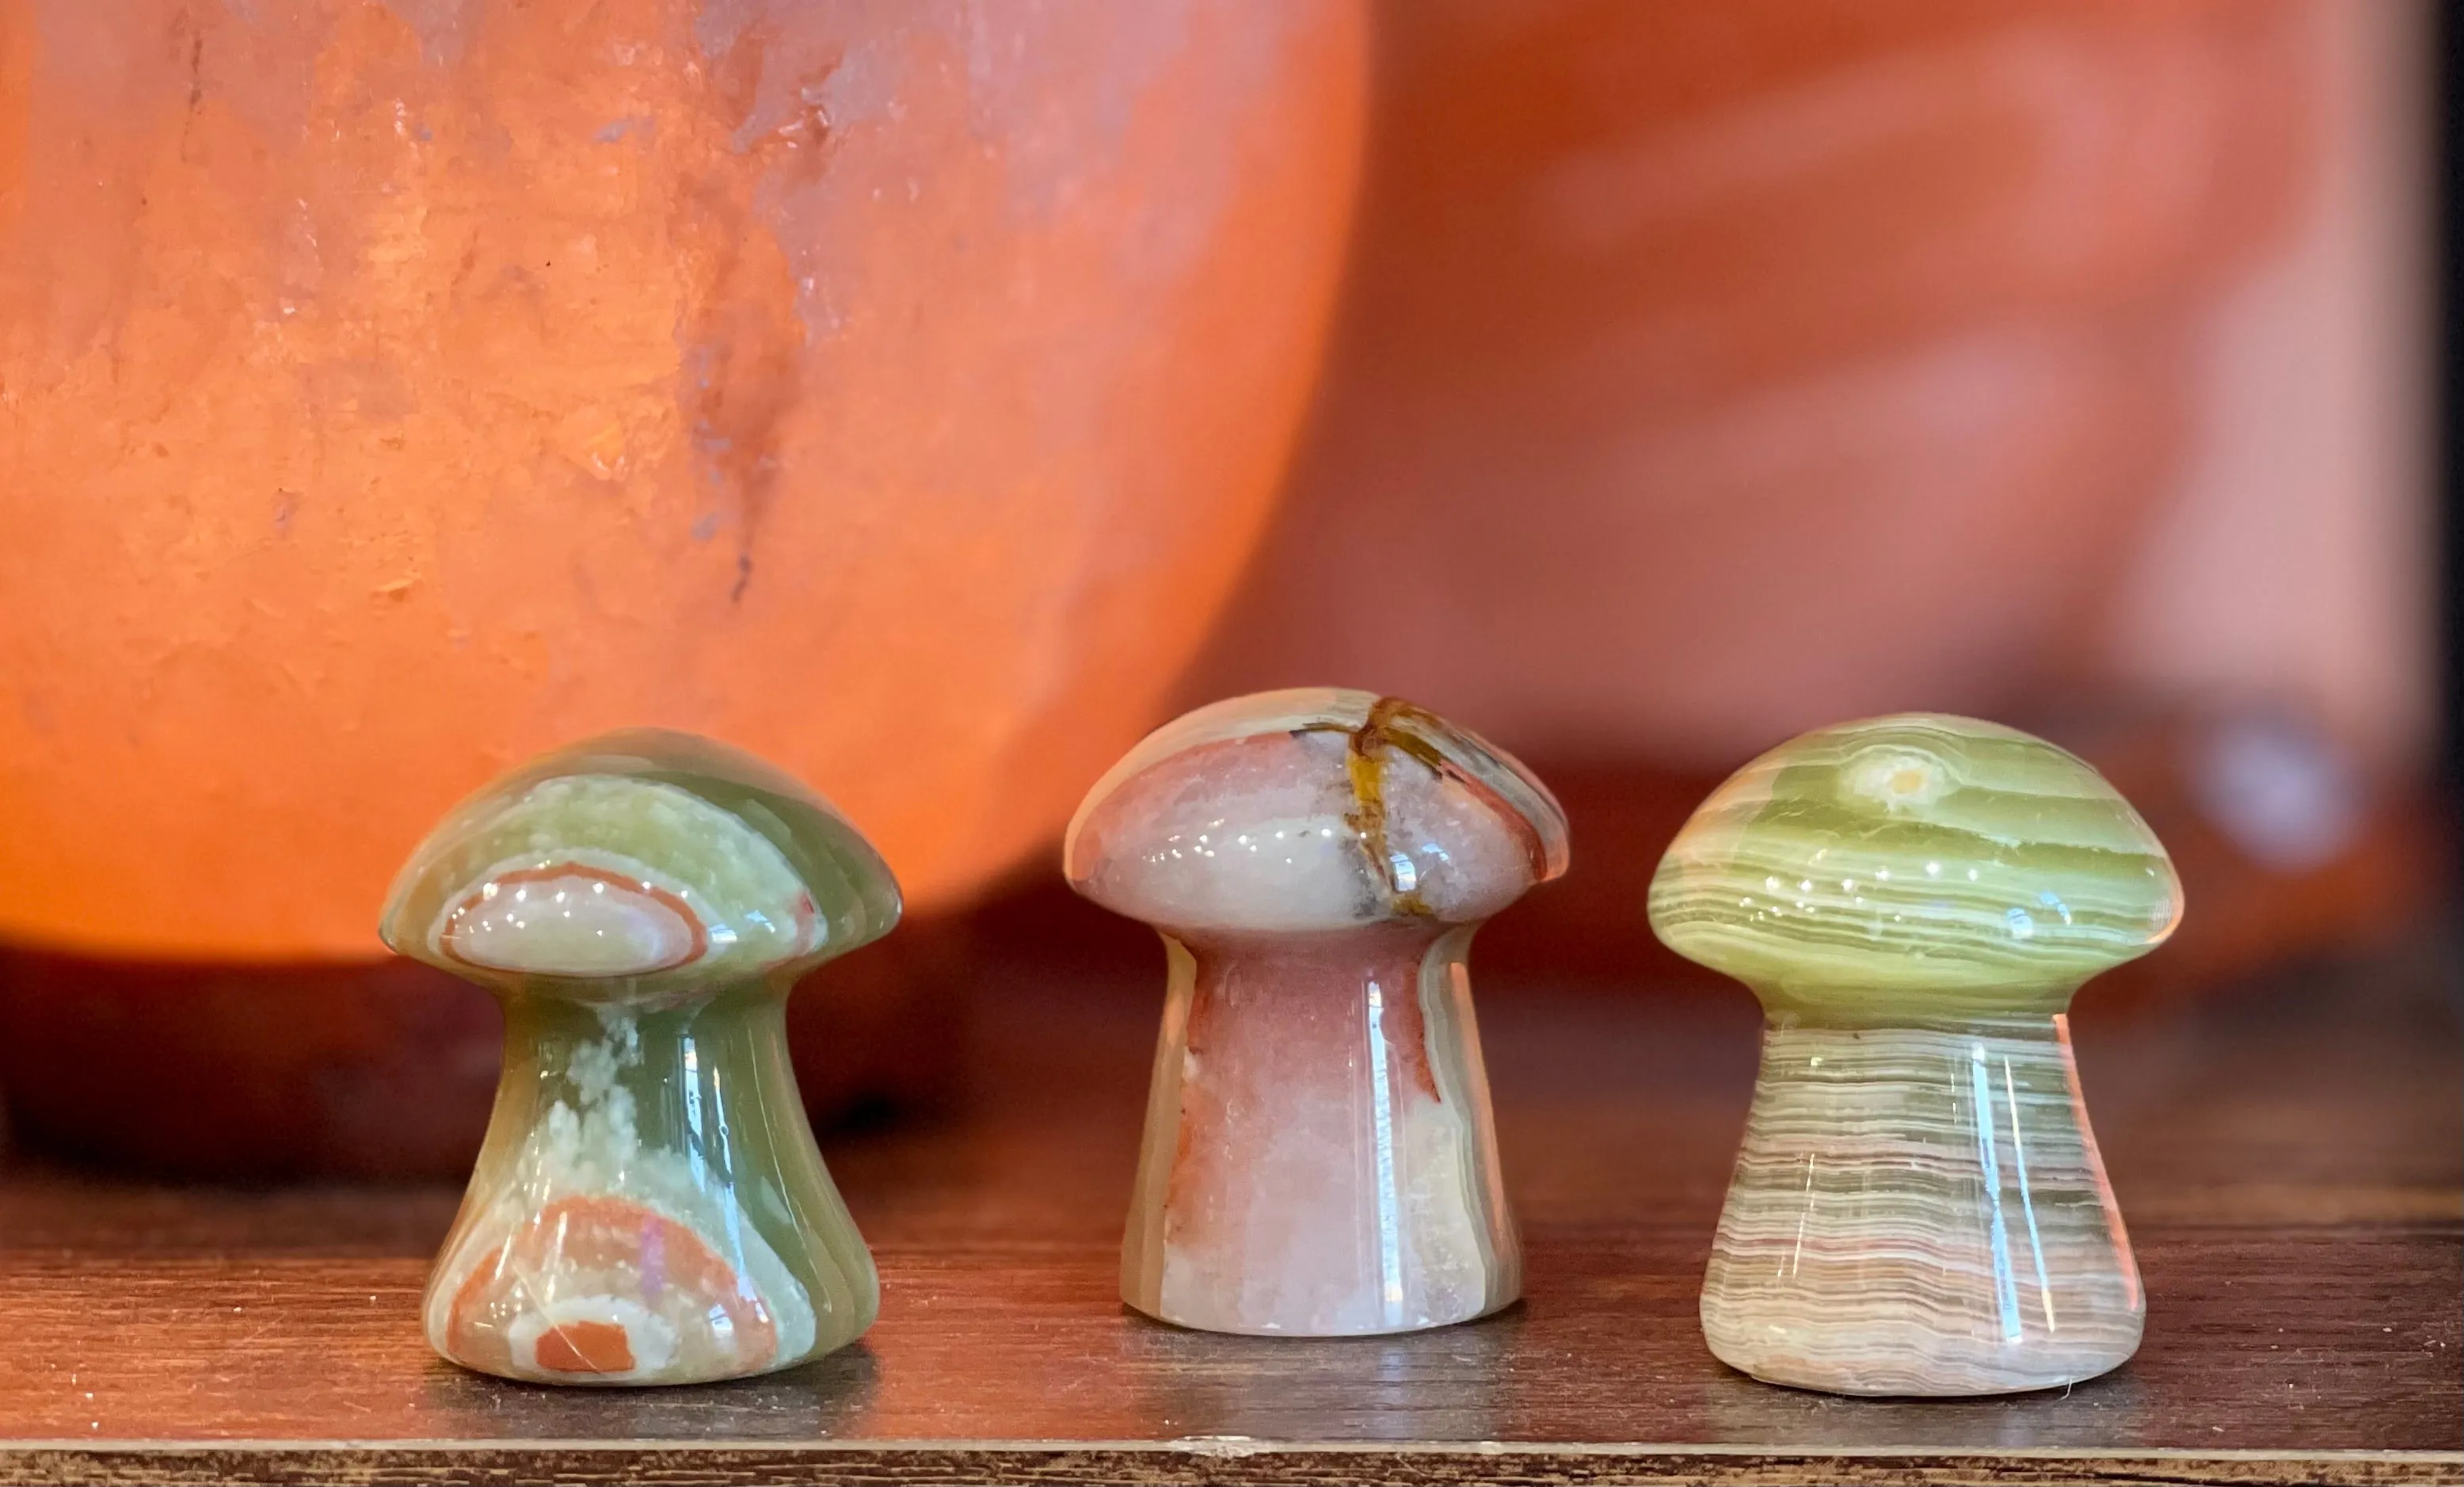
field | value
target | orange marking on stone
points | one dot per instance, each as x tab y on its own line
586	1348
1407	1035
553	871
601	1245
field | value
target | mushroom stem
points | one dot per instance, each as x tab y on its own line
1920	1208
1319	1156
650	1206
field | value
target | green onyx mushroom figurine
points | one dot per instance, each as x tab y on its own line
648	1207
1919	1207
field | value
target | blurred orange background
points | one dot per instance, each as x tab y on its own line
1710	372
932	402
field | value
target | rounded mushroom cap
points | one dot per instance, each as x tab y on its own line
1314	808
1913	860
643	864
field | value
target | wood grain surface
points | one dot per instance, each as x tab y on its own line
2290	1156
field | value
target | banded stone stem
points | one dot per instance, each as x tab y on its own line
1919	1207
1921	1210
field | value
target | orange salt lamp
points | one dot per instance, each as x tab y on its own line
388	392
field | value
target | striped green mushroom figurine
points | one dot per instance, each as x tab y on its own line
648	1205
1919	1207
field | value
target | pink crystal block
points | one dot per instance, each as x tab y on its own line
1319	1158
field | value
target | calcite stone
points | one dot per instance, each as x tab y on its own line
648	1207
1319	1158
1919	1207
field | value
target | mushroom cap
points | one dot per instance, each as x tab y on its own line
640	863
1313	808
1904	859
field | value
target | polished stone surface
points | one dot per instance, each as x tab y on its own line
648	1207
1319	1157
2289	1152
1919	1207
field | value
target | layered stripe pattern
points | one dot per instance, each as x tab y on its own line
1919	1207
1921	1210
1918	864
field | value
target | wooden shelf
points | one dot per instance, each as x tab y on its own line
2291	1157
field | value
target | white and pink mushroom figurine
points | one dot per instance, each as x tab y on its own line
1319	1158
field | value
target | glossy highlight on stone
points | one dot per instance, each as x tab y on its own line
1919	1207
648	1207
1319	1158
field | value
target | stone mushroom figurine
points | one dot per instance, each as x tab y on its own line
1919	1207
1319	1159
648	1207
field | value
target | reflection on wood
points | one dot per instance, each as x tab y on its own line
2290	1158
